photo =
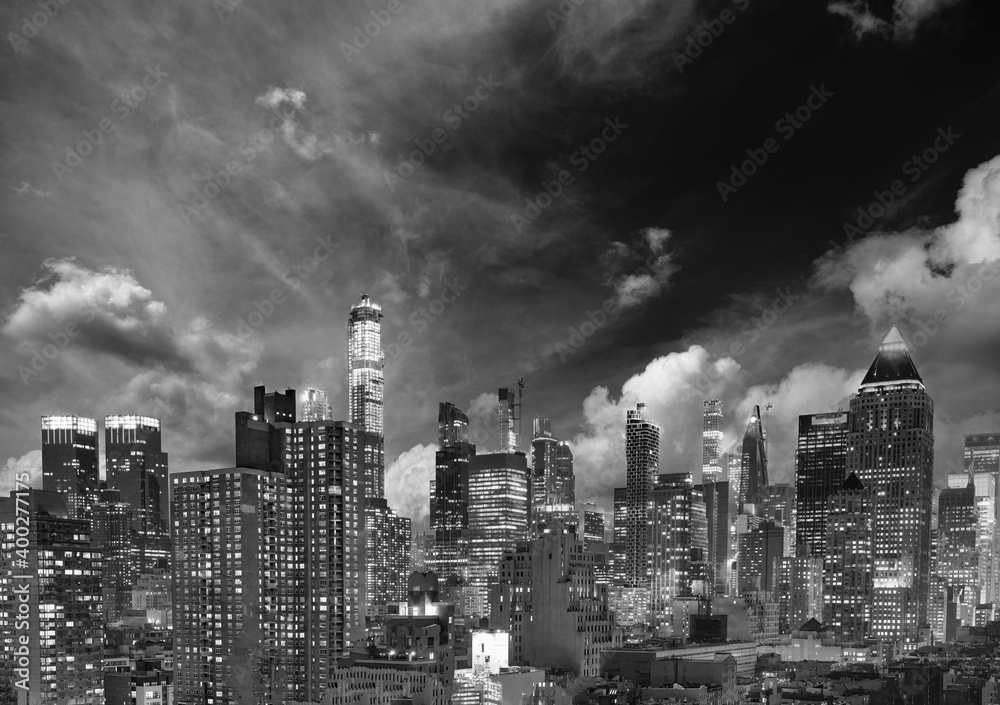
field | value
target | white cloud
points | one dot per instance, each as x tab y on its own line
407	483
906	15
863	21
646	281
30	463
26	189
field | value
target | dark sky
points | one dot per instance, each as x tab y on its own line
753	298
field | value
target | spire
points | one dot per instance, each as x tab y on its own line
892	363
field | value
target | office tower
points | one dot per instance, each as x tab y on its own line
389	561
69	461
679	535
733	461
891	450
958	542
619	537
550	602
562	482
366	365
982	459
498	517
509	408
753	467
543	459
848	574
820	469
315	406
449	510
51	629
111	534
982	453
642	462
592	524
718	520
711	442
137	467
777	504
805	590
286	528
760	549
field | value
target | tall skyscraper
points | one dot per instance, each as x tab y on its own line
69	461
753	468
642	462
315	406
111	534
711	442
137	467
777	504
849	571
498	517
51	629
679	534
366	365
717	517
891	450
509	411
449	500
761	548
982	453
553	483
389	558
620	537
958	542
275	550
982	459
820	469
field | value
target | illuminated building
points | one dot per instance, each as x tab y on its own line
761	546
449	497
848	579
389	560
111	534
619	536
777	504
53	572
717	517
820	469
366	365
315	406
982	459
679	535
891	450
642	462
69	461
753	468
508	409
552	478
958	542
711	443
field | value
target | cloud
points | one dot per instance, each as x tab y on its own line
906	15
26	189
863	20
407	483
30	462
648	280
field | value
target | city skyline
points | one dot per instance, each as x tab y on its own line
178	298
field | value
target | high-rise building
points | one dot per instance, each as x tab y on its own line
679	535
274	407
111	534
553	483
592	525
958	542
805	590
51	628
642	462
820	469
891	450
498	517
69	461
366	365
551	603
449	498
389	558
509	412
761	547
753	468
619	537
982	453
717	517
849	571
777	504
137	467
315	406
275	550
982	459
711	442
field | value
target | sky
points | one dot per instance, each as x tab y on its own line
615	200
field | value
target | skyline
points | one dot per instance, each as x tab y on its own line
161	301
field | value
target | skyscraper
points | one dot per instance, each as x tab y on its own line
891	450
51	631
958	542
982	459
389	559
982	453
679	535
753	468
315	406
366	365
711	442
111	534
69	461
777	504
449	501
820	469
642	462
137	467
619	525
849	571
509	409
717	517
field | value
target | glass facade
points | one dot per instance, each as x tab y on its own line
366	365
69	461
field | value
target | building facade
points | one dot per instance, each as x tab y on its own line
642	462
820	469
69	461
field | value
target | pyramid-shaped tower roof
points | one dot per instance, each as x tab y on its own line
892	363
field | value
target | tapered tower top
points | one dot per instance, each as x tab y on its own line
892	363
